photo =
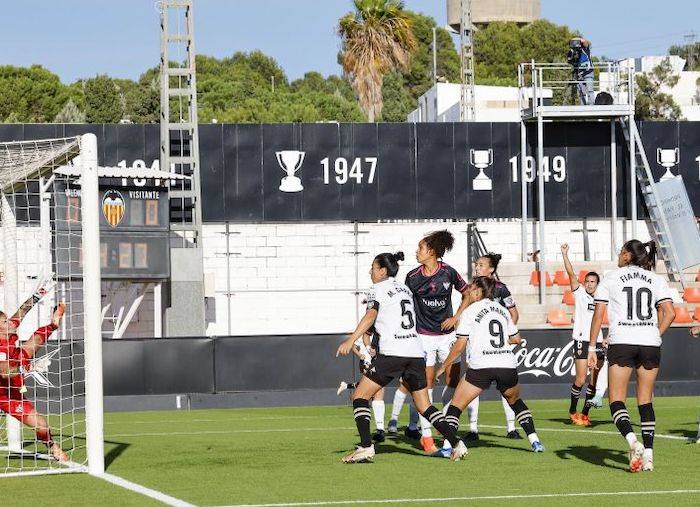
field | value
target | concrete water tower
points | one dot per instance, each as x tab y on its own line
484	12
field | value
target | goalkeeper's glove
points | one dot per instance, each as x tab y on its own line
44	285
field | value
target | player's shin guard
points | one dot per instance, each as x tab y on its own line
621	418
424	423
510	415
648	420
436	418
473	413
575	393
524	418
452	416
590	393
399	399
362	416
378	409
413	417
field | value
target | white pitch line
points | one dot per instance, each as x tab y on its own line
472	498
584	431
143	490
293	430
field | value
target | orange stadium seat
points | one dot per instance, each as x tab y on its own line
691	295
682	315
535	278
582	275
696	314
561	278
606	321
558	317
568	298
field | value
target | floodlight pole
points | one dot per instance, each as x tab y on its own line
94	425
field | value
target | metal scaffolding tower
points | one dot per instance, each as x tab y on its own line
537	82
179	153
466	40
179	135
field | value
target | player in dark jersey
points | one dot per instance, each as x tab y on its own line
487	265
432	284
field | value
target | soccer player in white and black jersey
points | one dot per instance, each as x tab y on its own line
584	306
400	354
432	284
640	310
488	330
486	265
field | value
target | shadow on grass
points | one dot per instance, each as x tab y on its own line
114	452
596	456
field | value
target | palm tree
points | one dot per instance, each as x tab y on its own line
376	40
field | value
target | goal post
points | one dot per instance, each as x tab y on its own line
50	360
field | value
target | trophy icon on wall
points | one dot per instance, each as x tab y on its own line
667	159
481	159
290	161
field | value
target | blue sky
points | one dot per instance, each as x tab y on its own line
82	38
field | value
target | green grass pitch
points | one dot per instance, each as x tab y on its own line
278	455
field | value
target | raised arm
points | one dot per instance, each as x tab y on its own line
39	337
573	280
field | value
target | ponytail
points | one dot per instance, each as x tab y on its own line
642	255
389	261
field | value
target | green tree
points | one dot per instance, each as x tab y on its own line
376	40
689	52
70	113
30	94
500	47
651	103
103	102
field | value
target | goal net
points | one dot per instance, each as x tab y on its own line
50	340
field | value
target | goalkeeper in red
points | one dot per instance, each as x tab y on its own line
16	360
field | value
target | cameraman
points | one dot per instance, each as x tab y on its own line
579	56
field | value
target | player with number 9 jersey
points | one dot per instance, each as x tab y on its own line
488	331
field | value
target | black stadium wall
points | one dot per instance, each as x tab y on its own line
385	171
303	369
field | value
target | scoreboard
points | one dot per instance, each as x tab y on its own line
134	231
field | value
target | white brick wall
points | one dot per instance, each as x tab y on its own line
300	278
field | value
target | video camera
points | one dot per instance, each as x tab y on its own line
574	54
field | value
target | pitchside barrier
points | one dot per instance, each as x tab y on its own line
386	171
303	369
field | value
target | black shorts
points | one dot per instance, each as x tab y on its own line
384	369
634	356
580	350
505	378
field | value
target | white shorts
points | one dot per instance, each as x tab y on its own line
437	347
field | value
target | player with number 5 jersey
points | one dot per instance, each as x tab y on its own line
399	354
640	310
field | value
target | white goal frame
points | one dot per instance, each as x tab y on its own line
83	150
